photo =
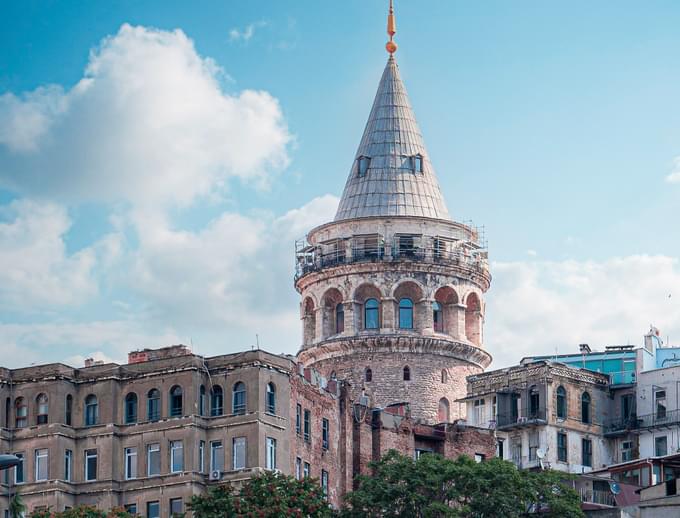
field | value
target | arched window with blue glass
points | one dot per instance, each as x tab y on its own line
153	405
176	401
405	313
91	410
239	399
437	317
216	401
131	408
372	314
201	400
270	402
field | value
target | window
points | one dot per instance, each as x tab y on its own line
90	465
324	483
201	456
176	456
443	413
216	456
270	404
585	407
216	401
371	318
324	433
480	411
176	507
176	406
533	444
660	446
298	419
340	318
407	247
407	373
239	453
561	402
153	510
298	468
534	400
479	457
20	413
626	451
131	408
369	374
131	509
239	399
41	464
561	447
405	314
153	459
19	469
308	426
130	463
500	447
417	163
69	410
587	450
306	470
153	405
201	400
68	465
363	163
91	410
660	399
271	453
627	406
43	409
438	317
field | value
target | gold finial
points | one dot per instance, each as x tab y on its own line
391	30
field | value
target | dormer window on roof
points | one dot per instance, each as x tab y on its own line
417	163
363	163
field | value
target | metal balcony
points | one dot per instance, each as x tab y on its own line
507	421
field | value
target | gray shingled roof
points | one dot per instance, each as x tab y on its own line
391	138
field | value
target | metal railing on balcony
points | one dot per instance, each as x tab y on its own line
621	425
528	418
665	418
594	496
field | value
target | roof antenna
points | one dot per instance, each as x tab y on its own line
391	30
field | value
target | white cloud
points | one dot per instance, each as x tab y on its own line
534	307
36	272
674	175
245	34
532	253
148	123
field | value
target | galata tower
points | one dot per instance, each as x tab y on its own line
392	290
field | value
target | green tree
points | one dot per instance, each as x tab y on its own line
82	511
270	495
435	487
17	508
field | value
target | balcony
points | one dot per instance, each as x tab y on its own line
622	426
593	496
508	421
667	418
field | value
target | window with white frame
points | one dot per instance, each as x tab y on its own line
201	456
324	483
271	453
19	469
626	451
176	456
90	465
153	459
298	468
130	463
68	465
239	453
216	456
41	464
306	470
480	411
153	509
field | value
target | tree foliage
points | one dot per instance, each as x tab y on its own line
82	511
270	495
435	487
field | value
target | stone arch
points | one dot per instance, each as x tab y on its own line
413	291
363	293
444	411
309	321
448	301
473	318
332	313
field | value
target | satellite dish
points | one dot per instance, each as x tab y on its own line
540	453
616	489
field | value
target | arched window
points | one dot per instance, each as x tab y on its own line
270	403
561	402
445	376
438	317
369	374
153	405
334	375
20	413
238	405
43	409
91	410
340	318
443	413
201	400
585	407
405	314
216	401
371	317
534	402
8	409
69	410
131	408
407	373
176	406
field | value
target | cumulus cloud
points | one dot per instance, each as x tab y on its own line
245	34
674	175
148	123
538	306
36	272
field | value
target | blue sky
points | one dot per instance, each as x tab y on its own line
137	209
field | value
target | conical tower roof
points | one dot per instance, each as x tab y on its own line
386	178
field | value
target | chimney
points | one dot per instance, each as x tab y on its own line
89	362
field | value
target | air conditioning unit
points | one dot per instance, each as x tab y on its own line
215	474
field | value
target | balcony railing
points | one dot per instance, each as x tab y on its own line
658	419
526	419
593	496
621	426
